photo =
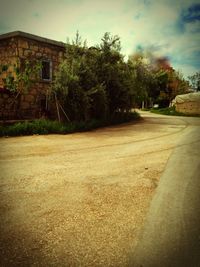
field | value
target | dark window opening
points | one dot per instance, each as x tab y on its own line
46	70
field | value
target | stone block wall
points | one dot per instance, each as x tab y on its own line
8	56
30	104
192	107
7	105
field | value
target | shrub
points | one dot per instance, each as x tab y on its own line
42	126
35	127
170	111
120	117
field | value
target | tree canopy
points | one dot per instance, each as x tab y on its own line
195	81
94	82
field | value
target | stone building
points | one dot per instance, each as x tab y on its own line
188	103
17	47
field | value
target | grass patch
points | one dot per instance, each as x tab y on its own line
34	127
121	117
43	126
145	109
171	111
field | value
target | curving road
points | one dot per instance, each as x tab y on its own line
83	199
171	233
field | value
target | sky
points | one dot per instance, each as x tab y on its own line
166	28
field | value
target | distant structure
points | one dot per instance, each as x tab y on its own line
188	103
19	46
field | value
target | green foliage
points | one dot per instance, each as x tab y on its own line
94	83
170	111
21	76
42	126
156	82
35	127
174	84
195	81
3	68
144	80
121	117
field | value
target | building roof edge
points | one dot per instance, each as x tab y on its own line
32	37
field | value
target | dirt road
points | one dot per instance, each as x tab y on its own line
81	199
171	232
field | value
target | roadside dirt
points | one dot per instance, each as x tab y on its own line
81	199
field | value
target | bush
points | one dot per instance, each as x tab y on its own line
170	111
166	111
121	117
35	127
42	126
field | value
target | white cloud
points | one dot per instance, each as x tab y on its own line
152	24
193	27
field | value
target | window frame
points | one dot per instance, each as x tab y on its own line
50	70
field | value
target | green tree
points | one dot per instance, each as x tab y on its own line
115	74
195	81
76	84
94	82
145	80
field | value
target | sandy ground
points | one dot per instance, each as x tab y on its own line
171	232
81	199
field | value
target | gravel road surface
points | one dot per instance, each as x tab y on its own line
82	199
171	233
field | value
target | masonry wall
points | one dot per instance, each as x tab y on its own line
192	107
30	104
8	57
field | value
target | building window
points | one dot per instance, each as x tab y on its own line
46	72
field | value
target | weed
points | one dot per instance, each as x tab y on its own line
43	126
170	111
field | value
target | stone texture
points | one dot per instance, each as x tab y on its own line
189	107
23	44
29	98
18	48
28	52
34	48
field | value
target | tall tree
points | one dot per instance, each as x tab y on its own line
94	82
195	81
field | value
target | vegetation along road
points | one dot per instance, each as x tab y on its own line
82	199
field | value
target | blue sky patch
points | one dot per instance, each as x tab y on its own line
164	27
188	16
191	14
